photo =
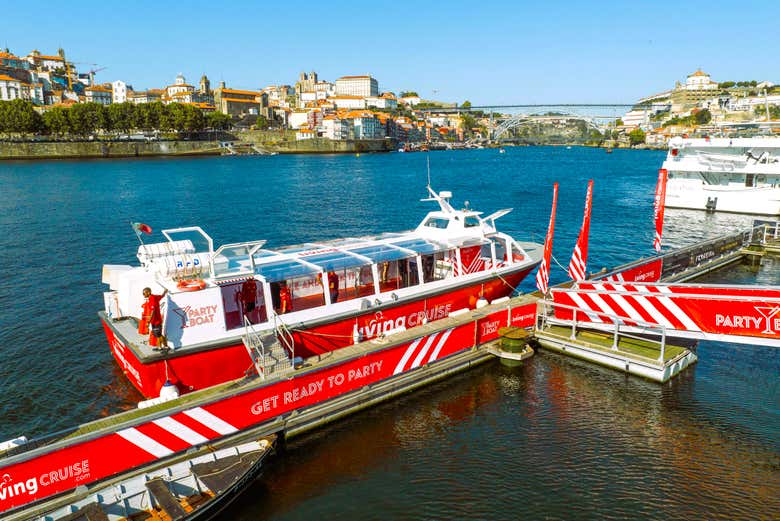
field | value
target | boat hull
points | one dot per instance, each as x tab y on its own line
763	200
204	368
347	380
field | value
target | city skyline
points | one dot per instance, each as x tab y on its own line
500	53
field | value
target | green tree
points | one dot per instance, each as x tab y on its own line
703	117
466	105
636	136
19	116
122	117
86	118
218	121
262	123
56	121
467	122
726	84
407	93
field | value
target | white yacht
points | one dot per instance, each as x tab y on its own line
739	175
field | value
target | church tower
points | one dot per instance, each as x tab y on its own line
205	86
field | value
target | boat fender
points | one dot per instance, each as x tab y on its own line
357	337
191	284
481	302
169	391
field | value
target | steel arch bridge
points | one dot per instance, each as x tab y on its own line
522	119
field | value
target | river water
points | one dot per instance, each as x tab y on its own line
555	438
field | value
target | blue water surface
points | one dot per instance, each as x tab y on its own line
555	438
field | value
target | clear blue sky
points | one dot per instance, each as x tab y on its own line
485	51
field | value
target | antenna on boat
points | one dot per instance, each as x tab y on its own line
428	163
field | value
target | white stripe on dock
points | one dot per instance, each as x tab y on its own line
418	360
180	430
210	421
142	441
442	341
407	355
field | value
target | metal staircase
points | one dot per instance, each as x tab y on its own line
271	352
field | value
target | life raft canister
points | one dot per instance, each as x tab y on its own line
191	284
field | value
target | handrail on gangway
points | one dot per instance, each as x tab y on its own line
604	322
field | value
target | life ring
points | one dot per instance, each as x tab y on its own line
191	284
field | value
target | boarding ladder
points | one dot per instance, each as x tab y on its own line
269	350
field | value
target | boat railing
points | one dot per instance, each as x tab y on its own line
255	347
572	323
285	336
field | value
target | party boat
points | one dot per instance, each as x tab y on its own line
304	301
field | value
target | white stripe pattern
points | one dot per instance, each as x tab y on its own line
408	354
142	441
209	420
180	430
442	341
418	360
576	266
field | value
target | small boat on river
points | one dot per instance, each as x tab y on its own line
192	487
242	309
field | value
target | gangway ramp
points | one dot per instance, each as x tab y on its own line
738	314
643	349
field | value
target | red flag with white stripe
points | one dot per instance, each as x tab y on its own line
543	275
658	207
579	259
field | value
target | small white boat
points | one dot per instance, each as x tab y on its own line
192	487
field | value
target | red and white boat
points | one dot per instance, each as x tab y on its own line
454	260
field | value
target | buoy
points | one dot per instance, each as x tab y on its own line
169	391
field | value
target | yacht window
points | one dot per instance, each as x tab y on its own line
398	274
471	221
749	180
437	222
500	250
438	266
305	292
350	283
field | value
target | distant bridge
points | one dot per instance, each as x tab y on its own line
504	118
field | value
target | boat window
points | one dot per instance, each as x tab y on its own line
438	266
437	222
304	292
243	299
471	221
351	283
517	253
420	245
749	179
398	274
500	249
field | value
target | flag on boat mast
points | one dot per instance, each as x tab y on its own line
139	228
658	207
543	275
579	258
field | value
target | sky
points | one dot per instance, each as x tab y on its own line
487	52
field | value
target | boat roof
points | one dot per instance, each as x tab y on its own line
440	230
